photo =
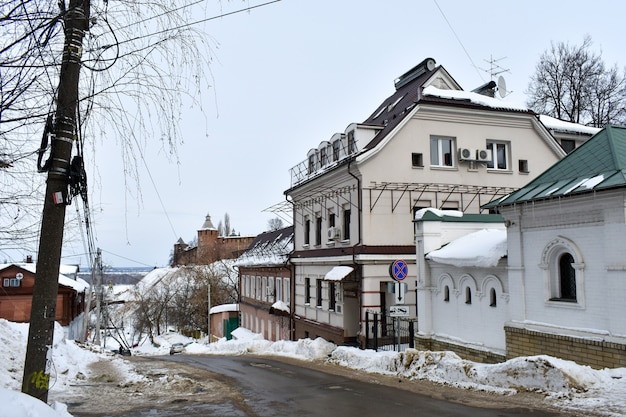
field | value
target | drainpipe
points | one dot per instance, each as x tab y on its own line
359	241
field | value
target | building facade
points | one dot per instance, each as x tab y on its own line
18	281
429	144
265	285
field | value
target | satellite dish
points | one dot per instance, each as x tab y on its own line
502	87
19	276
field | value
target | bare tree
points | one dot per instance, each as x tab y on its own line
571	83
274	224
142	63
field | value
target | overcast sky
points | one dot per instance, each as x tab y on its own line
288	75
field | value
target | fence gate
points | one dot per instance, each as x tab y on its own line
383	332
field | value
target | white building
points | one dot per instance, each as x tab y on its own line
561	287
429	144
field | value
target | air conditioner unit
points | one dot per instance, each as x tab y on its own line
333	233
483	155
466	154
338	308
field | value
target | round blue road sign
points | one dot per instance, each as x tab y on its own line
399	270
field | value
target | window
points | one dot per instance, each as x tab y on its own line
11	282
417	160
346	224
468	295
307	291
564	272
336	147
499	155
523	166
264	289
318	293
323	157
307	231
257	290
492	298
446	293
332	301
311	163
567	277
331	219
441	151
287	290
568	145
271	295
351	142
279	289
318	230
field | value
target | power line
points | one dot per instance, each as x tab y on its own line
194	23
459	40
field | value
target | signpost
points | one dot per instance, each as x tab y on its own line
399	311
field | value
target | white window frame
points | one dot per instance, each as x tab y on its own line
495	146
437	152
552	277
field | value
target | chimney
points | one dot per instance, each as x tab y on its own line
29	259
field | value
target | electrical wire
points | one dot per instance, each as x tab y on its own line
459	40
186	25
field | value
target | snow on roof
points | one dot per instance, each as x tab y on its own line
483	248
473	97
224	308
78	284
269	248
338	273
439	213
281	305
563	126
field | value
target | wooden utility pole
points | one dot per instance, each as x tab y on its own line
43	311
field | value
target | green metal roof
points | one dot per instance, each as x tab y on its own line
599	163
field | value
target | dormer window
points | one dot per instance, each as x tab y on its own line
336	148
351	142
323	157
311	163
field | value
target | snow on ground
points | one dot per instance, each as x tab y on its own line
564	383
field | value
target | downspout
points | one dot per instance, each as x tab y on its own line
292	273
359	241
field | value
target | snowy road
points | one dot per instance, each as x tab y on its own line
275	388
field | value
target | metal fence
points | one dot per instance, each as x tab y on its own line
384	332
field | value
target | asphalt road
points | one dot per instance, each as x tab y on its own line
275	388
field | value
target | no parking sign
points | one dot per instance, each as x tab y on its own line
399	270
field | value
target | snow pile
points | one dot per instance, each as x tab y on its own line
16	404
565	384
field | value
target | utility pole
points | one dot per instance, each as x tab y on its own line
43	311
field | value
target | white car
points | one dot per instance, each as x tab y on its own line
177	348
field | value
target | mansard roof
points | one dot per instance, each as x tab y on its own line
599	163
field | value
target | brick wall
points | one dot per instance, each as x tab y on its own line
597	354
464	352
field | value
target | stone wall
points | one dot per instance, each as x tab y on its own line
595	353
464	352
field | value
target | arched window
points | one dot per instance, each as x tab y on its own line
567	277
446	293
492	298
563	267
468	295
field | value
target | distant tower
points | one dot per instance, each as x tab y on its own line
207	242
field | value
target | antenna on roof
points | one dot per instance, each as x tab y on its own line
495	70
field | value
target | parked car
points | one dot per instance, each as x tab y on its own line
177	348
